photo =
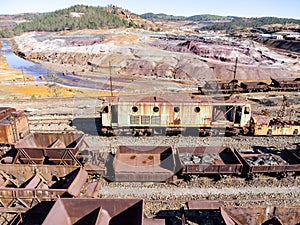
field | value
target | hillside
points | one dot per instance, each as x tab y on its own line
80	17
229	23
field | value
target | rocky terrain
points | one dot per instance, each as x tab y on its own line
144	55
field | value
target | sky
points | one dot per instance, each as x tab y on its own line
243	8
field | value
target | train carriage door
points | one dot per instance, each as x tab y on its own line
105	116
114	115
238	115
246	115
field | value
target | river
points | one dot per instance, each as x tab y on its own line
38	71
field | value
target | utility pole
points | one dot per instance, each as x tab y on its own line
110	80
235	66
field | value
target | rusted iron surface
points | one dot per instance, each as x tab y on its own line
5	112
73	182
268	161
15	195
265	215
13	125
153	221
86	212
193	205
50	148
263	125
209	160
259	215
143	163
174	112
254	86
21	173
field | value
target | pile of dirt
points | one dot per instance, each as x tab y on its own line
136	54
289	45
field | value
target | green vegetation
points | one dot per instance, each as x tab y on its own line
208	17
161	16
204	17
87	17
228	23
5	33
241	22
52	80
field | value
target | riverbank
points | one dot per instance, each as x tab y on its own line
15	84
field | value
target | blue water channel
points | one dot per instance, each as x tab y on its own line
36	70
17	62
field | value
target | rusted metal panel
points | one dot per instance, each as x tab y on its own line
195	204
152	221
5	112
264	215
209	160
270	162
227	219
76	181
263	125
169	111
143	163
21	173
37	189
254	86
13	125
50	148
85	211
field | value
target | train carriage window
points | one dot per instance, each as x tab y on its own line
134	119
176	109
197	109
155	109
145	119
247	110
134	108
155	120
106	109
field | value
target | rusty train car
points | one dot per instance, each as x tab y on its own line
234	86
174	114
188	115
13	125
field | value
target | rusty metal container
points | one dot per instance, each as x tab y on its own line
23	172
37	189
254	86
247	215
143	163
13	125
50	148
278	215
263	125
270	162
83	211
216	160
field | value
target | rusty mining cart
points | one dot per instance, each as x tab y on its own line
50	148
13	125
279	163
142	163
207	161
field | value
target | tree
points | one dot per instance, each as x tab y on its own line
52	80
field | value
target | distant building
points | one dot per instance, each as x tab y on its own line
265	36
277	36
76	14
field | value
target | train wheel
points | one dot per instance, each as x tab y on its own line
295	132
269	133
